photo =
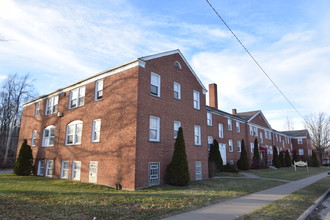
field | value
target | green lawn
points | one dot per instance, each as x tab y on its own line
288	173
43	198
291	206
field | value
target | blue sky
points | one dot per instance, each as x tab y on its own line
63	41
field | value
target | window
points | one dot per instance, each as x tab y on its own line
197	131
252	147
239	146
154	129
65	170
266	135
251	130
34	138
51	105
76	167
280	138
301	152
238	127
77	97
41	166
177	125
220	130
153	168
300	141
99	89
196	100
261	138
155	84
276	137
255	130
96	130
209	119
230	144
49	168
36	113
310	152
48	136
177	90
230	126
177	64
198	170
73	133
209	142
93	167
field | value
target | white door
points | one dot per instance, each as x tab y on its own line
93	172
222	149
198	170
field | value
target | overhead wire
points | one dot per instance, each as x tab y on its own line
256	62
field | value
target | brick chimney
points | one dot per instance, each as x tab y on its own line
213	95
234	111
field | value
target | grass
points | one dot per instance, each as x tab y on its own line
288	173
43	198
291	206
227	174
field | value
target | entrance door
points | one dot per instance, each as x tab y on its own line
93	172
222	149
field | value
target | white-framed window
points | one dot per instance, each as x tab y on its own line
98	89
220	130
48	136
209	142
76	168
196	100
238	126
276	137
154	129
51	105
77	97
280	138
301	152
176	126
251	130
154	173
37	106
34	138
239	146
230	124
93	169
230	145
252	147
261	138
197	134
65	169
269	135
177	64
209	119
155	84
310	152
300	141
198	170
177	90
74	133
41	167
255	130
49	168
266	135
96	130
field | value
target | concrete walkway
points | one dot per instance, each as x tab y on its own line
6	171
235	208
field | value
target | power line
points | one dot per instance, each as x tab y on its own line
260	67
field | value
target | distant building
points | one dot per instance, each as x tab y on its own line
119	126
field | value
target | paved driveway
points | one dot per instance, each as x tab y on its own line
6	171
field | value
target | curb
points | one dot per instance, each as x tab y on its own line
310	210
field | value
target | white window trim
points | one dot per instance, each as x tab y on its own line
37	106
238	127
157	139
196	96
62	169
197	136
300	141
41	171
178	85
176	126
51	105
221	134
209	119
80	97
239	146
230	124
75	170
96	130
49	167
34	138
230	145
252	147
198	170
75	133
46	140
153	177
156	84
98	90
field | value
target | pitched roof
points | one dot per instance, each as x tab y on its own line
296	133
223	113
247	115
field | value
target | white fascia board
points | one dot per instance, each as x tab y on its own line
226	116
262	115
94	78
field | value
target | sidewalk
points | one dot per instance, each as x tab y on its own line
235	208
6	171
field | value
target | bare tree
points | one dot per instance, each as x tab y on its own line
289	125
14	91
318	126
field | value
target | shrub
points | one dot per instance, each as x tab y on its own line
315	162
281	159
276	162
230	168
256	156
295	156
24	163
243	162
287	159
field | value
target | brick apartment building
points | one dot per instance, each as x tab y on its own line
119	126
